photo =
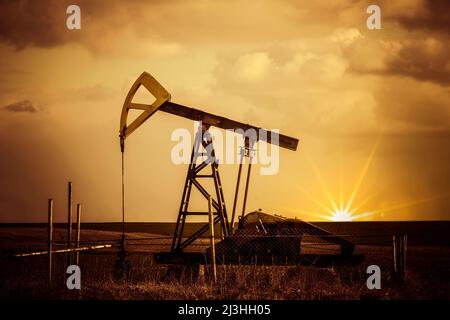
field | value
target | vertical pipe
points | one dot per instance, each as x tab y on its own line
402	256
237	189
69	221
249	146
50	237
213	245
246	186
78	233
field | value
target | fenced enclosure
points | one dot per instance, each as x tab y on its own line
251	246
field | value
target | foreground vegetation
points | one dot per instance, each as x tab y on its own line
427	277
150	281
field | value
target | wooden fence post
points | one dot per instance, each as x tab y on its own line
213	245
69	222
50	238
403	247
78	233
399	246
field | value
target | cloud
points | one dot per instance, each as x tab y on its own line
32	23
413	42
24	106
167	27
253	66
429	16
346	36
107	27
425	59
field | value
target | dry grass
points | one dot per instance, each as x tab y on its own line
427	278
148	281
27	279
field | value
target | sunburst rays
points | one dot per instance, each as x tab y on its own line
339	210
347	209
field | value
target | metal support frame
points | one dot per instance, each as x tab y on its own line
203	139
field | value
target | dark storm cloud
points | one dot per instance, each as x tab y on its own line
434	17
21	106
29	23
42	24
427	60
415	45
24	23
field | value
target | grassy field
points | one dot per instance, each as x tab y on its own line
427	274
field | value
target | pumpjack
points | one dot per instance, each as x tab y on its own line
196	176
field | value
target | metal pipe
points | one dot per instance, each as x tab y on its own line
50	237
247	182
77	259
237	189
39	253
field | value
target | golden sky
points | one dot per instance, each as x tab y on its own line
371	107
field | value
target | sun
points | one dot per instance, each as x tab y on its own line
341	215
